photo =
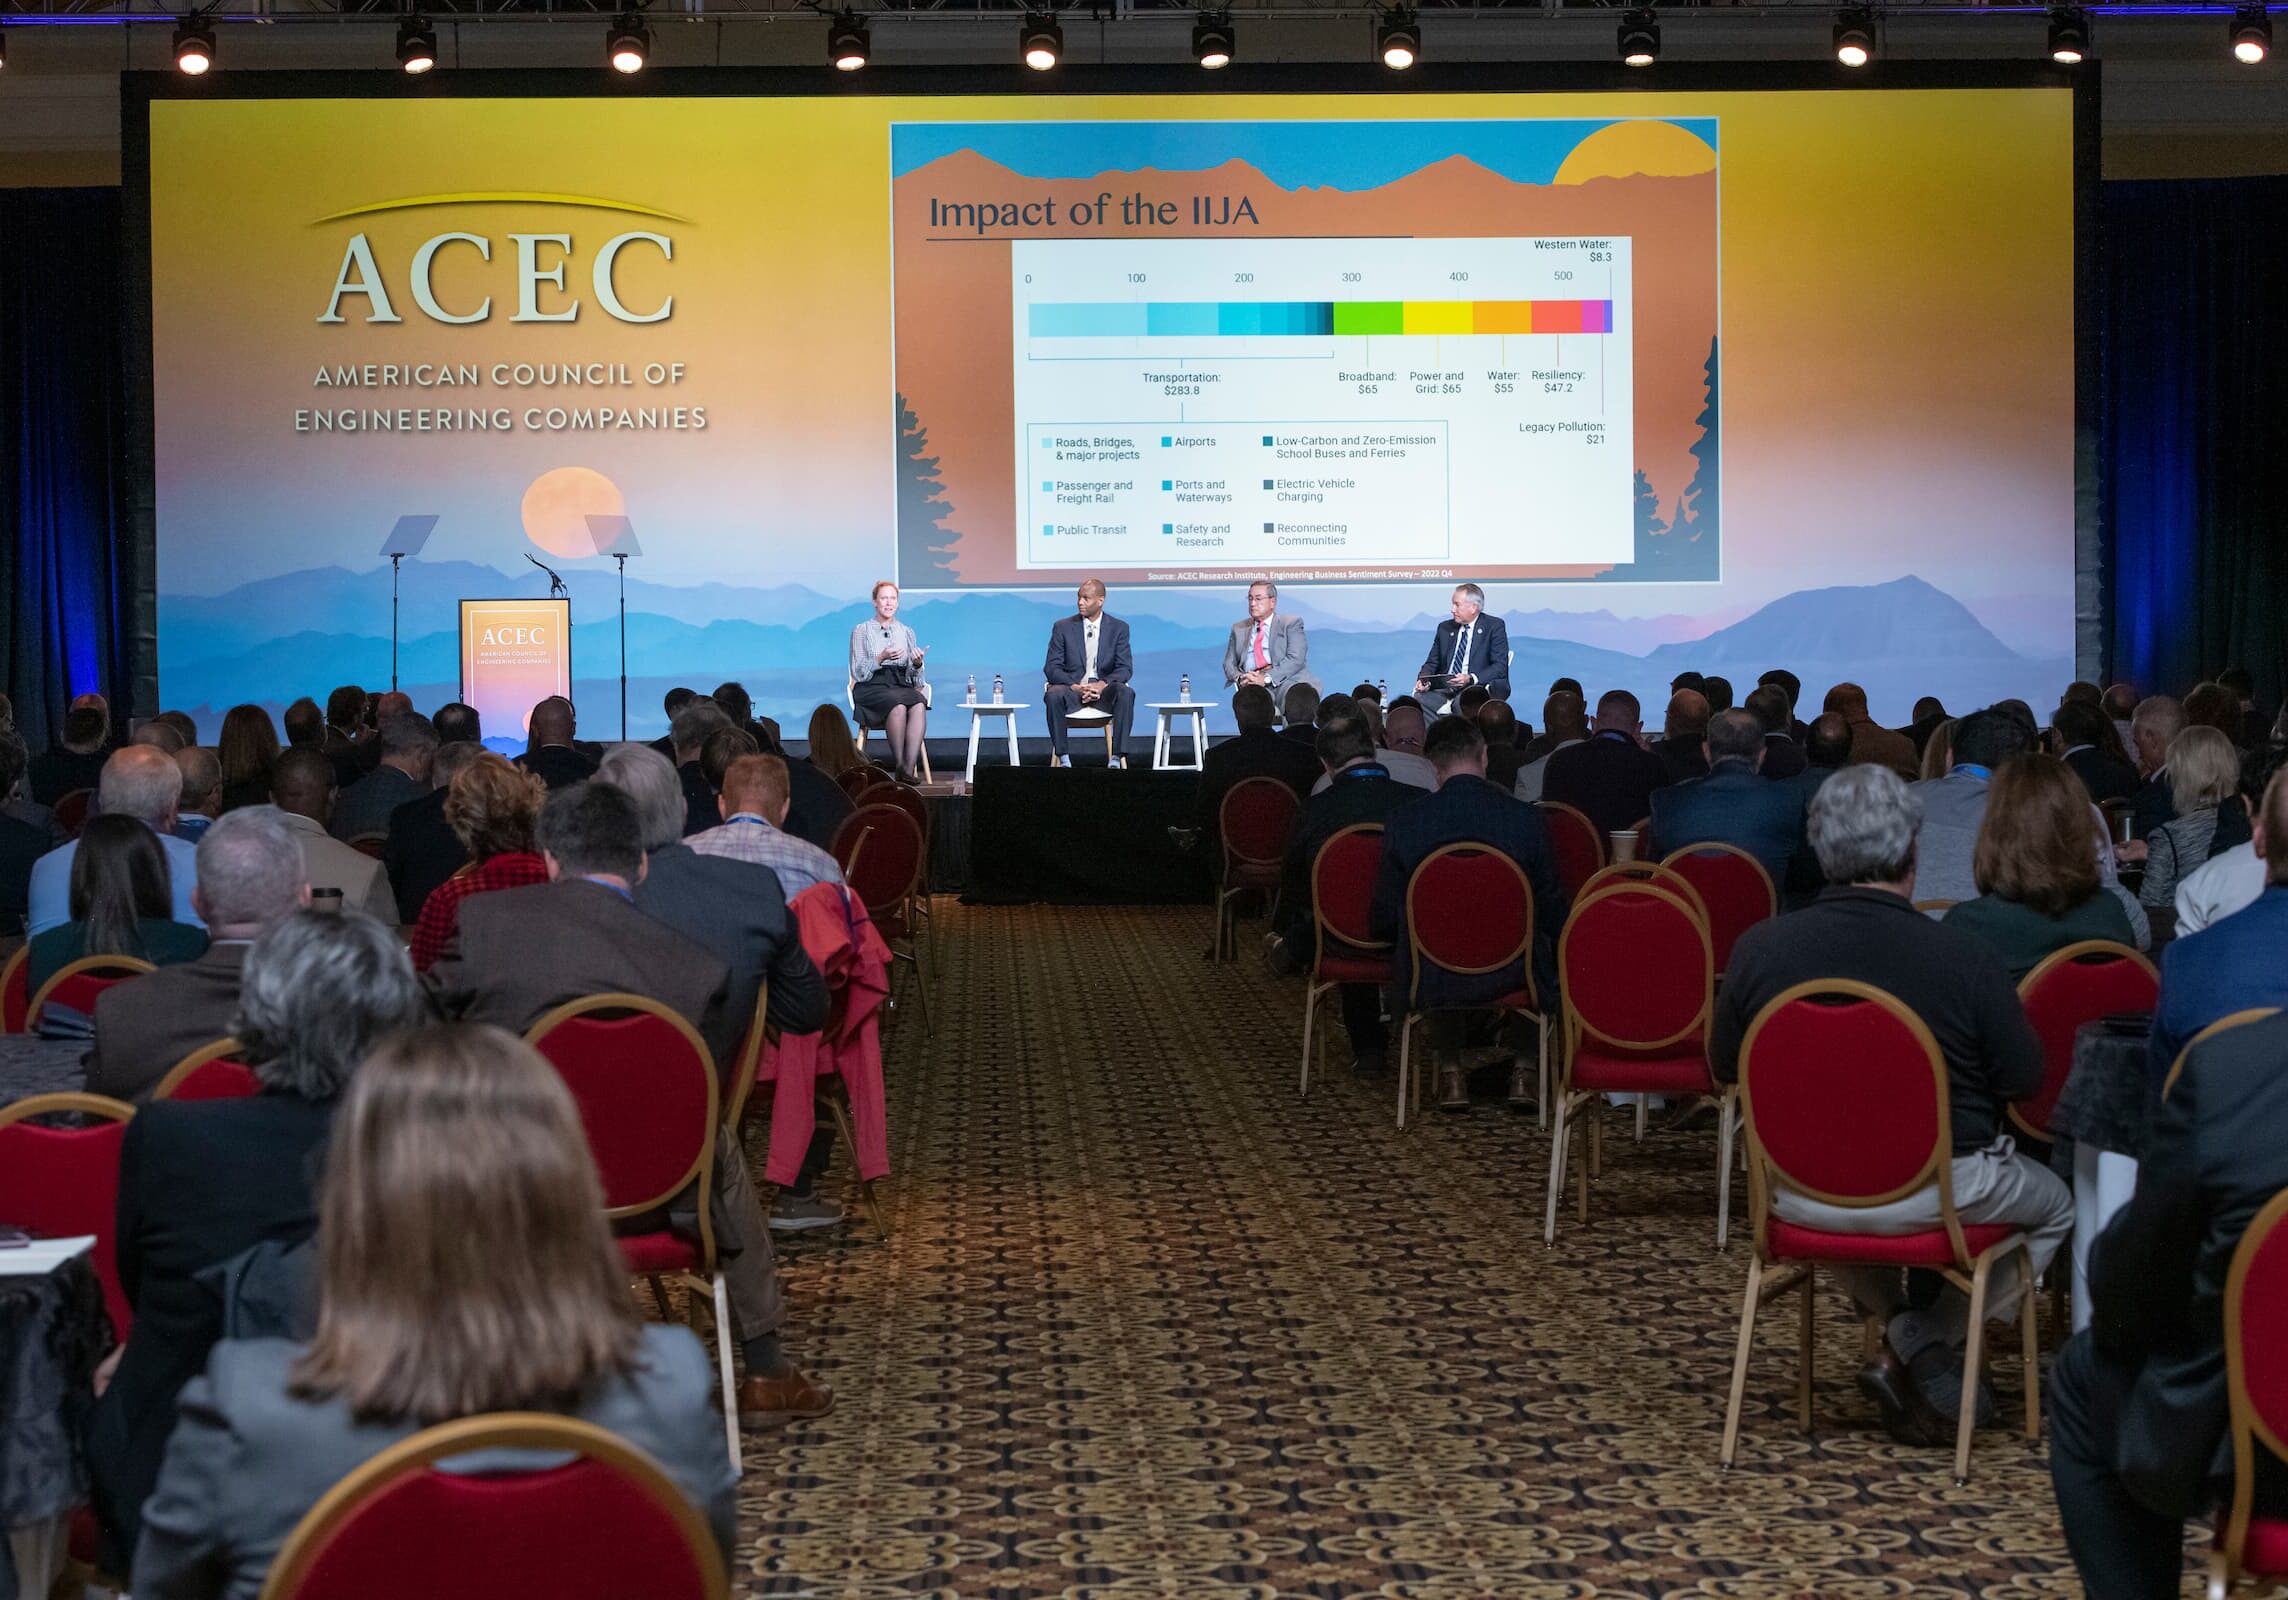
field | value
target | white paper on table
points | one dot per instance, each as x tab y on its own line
43	1256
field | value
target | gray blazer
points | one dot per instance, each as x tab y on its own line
867	645
1285	645
247	1459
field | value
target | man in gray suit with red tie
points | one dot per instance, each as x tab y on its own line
1266	648
1089	666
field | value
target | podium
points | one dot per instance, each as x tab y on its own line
514	654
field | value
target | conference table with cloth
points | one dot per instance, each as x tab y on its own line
852	956
2099	1126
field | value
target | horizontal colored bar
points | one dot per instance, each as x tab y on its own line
1228	319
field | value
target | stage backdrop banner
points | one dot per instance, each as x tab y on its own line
514	654
1722	380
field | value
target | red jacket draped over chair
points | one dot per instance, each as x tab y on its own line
855	961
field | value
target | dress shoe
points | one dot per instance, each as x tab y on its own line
764	1402
1521	1083
1907	1416
1938	1375
1453	1087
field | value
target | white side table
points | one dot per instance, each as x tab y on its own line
978	711
1163	741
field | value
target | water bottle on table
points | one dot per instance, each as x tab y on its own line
997	688
1184	689
973	688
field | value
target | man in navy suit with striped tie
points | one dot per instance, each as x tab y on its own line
1470	647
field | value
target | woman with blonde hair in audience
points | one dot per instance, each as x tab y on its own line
2035	865
1938	751
247	750
2204	772
464	1268
833	748
491	808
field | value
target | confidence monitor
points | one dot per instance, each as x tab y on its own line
1736	369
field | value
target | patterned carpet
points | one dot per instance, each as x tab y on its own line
1149	1325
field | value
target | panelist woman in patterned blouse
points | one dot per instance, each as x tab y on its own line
885	680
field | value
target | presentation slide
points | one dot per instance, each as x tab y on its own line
1722	380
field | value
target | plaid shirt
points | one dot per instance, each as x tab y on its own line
747	837
441	913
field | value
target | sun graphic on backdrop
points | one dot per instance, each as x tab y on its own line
559	503
1647	149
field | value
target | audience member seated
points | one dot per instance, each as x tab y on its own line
1954	808
816	804
673	701
2235	963
1929	714
2212	705
2138	1400
2153	727
422	850
1405	727
521	953
491	808
1611	776
160	736
1682	746
833	747
1791	686
1870	740
2233	877
250	878
201	799
137	782
77	760
1733	805
2204	772
1938	751
1359	789
549	752
121	902
1503	758
754	806
1863	827
1259	751
247	750
1299	714
735	909
305	725
408	746
202	1181
2119	703
1564	721
1826	746
2038	888
302	783
739	706
463	1267
699	720
1783	755
348	734
1467	809
22	843
1717	692
2094	752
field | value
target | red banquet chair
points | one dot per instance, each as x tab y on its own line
370	844
1859	1139
1469	912
2078	984
58	1183
861	778
605	1525
1734	889
1343	948
1579	847
2256	1369
1255	819
15	991
211	1072
76	984
1639	985
71	811
884	855
645	1085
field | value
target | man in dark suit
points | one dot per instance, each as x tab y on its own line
1783	755
1503	758
2138	1400
520	953
1564	720
2087	734
1791	686
77	761
1259	752
1733	805
408	746
1611	777
1088	664
1682	746
1299	714
347	734
21	843
1360	789
1467	809
2233	964
1469	647
422	851
1929	713
251	877
549	753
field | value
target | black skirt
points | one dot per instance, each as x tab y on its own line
876	696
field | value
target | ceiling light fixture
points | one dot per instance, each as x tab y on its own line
1855	36
2251	35
194	46
416	46
629	45
2069	36
1042	44
1398	39
849	44
1212	40
1640	38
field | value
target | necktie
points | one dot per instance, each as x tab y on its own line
1461	650
1261	660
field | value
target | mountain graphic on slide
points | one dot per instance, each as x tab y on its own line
1905	618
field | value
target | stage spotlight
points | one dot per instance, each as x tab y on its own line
1640	38
1398	39
848	44
2069	36
629	46
1854	36
1212	40
416	46
1042	42
194	46
2251	35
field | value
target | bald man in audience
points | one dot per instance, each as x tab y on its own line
549	753
201	800
1683	734
1610	777
1404	728
302	788
250	878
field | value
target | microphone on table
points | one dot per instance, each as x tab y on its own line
555	579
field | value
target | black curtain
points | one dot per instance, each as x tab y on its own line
2193	457
63	426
